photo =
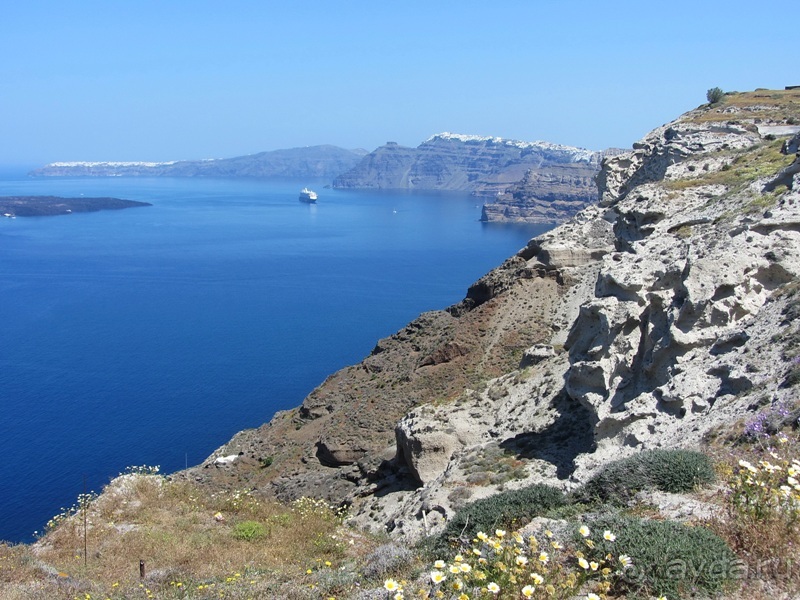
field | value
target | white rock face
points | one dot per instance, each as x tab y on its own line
666	329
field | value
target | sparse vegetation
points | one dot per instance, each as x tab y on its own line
493	465
236	545
745	167
194	544
767	105
761	501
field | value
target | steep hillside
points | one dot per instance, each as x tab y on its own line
311	162
487	167
650	320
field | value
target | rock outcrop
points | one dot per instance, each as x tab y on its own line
532	181
659	317
324	162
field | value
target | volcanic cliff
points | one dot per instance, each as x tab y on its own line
533	181
658	317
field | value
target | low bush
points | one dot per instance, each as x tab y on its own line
668	558
511	509
249	531
664	470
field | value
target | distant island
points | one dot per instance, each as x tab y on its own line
318	162
43	206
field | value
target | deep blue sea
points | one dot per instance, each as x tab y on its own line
151	335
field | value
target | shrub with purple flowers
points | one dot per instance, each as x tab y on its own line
769	422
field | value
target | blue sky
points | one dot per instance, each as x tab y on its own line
159	80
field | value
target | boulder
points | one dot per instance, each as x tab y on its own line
424	447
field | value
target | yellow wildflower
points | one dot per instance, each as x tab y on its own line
493	588
584	531
528	590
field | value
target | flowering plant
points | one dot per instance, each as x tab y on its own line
509	566
768	488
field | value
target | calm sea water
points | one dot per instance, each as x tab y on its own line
151	335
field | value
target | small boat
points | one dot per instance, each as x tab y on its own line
306	195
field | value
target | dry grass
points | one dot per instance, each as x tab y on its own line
775	105
745	167
187	540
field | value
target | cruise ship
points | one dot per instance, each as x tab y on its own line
306	195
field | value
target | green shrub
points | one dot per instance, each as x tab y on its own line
505	510
249	531
664	470
714	95
669	558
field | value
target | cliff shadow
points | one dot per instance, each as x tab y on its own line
570	435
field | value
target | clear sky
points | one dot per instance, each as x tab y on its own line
163	80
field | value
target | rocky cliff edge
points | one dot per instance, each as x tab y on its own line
663	315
